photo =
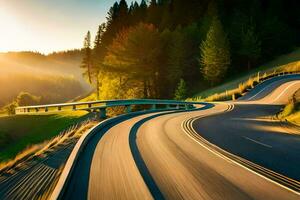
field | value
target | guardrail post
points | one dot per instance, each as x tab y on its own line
153	107
59	108
74	107
178	106
187	107
89	105
102	113
46	109
36	110
128	108
233	97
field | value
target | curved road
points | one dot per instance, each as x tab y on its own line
178	155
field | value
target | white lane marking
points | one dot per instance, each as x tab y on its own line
241	165
230	108
203	145
257	142
285	91
262	90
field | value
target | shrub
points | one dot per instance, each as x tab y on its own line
10	108
181	91
27	99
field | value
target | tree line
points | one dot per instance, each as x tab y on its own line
167	48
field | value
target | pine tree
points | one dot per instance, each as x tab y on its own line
98	56
215	53
206	21
181	91
175	57
153	13
87	58
250	46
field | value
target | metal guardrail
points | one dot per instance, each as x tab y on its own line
100	106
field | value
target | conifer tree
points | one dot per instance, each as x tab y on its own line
181	91
250	47
175	57
87	58
98	56
215	53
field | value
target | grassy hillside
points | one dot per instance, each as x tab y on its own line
235	81
19	132
291	111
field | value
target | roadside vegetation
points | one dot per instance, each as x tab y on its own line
233	82
291	111
40	149
243	87
53	152
21	131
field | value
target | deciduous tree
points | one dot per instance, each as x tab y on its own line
135	52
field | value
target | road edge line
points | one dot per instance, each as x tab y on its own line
226	158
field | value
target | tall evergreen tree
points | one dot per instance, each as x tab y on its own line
118	19
250	46
154	13
181	91
175	57
98	57
215	53
87	58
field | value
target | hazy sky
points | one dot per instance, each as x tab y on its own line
49	25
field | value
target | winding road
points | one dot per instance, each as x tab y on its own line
230	150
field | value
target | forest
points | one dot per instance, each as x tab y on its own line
170	48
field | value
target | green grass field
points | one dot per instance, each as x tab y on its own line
20	131
235	81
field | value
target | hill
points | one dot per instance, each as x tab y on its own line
56	77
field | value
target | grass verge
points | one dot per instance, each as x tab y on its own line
21	131
41	149
291	111
243	87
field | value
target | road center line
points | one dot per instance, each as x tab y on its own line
257	142
263	89
285	90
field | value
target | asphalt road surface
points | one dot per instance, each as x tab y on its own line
234	150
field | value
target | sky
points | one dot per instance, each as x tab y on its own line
49	25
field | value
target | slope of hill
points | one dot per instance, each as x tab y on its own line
57	77
234	82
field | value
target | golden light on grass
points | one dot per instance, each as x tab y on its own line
39	149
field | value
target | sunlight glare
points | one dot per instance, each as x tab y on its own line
11	32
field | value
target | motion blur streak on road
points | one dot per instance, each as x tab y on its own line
114	174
